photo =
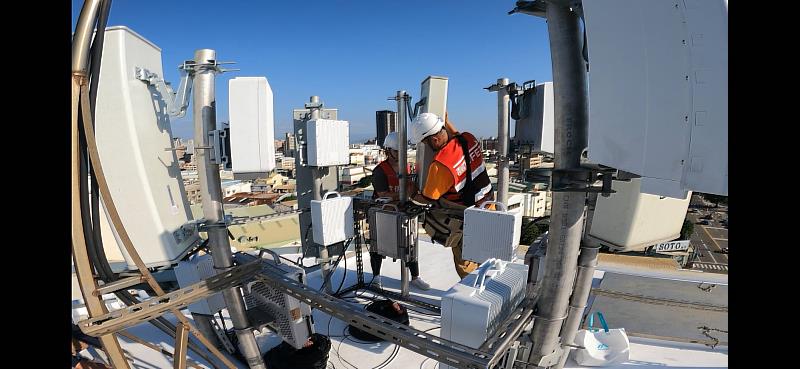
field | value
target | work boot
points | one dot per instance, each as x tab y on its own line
419	283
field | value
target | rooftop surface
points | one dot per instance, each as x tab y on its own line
639	319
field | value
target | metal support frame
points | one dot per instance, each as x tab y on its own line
582	179
502	89
83	269
177	102
442	350
181	340
87	282
147	310
571	115
118	285
189	362
403	101
205	121
315	106
360	208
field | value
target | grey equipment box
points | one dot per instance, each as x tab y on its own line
393	233
285	315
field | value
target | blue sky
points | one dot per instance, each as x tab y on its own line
353	54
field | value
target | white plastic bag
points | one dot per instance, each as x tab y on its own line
602	347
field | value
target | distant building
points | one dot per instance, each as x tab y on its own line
351	175
284	188
289	147
251	198
357	157
235	186
385	122
193	192
260	188
490	144
287	163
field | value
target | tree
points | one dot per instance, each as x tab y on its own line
687	230
543	227
530	231
364	182
716	199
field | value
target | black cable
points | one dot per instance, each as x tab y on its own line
197	249
335	265
341	283
331	271
96	54
303	249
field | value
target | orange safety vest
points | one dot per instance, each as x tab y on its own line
452	157
391	177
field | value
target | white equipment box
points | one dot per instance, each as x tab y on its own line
537	127
195	270
328	142
292	319
252	127
133	138
472	309
332	218
630	220
658	92
489	233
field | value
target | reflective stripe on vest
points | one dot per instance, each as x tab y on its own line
452	156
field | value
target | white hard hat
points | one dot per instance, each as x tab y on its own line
390	142
424	125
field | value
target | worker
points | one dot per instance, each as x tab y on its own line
455	181
386	183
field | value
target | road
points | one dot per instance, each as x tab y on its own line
708	242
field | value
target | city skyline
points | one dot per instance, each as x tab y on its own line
358	60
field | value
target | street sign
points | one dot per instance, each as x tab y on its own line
672	246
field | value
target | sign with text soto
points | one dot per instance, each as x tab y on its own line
672	246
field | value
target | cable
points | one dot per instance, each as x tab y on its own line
341	283
339	355
336	264
330	272
303	253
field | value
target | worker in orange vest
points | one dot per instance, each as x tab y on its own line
386	184
456	179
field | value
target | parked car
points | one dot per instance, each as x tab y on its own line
703	222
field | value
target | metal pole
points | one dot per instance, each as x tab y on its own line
402	98
83	269
566	227
587	261
316	175
83	35
502	139
205	121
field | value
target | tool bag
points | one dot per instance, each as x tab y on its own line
385	309
284	356
601	347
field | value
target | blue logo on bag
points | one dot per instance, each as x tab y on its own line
602	346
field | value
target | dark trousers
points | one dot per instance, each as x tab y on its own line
375	260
